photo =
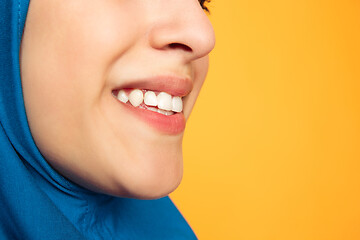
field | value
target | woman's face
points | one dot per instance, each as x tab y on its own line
76	56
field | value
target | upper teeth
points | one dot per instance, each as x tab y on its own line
150	99
136	97
163	100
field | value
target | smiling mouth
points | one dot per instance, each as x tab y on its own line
156	101
159	102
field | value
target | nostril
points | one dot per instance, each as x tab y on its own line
180	46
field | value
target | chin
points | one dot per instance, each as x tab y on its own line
156	176
154	187
150	171
151	183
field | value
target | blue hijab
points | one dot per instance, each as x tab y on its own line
38	203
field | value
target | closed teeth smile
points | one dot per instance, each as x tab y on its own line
161	102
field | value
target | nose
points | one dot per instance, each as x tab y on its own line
182	26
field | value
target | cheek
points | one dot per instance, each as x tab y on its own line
74	42
65	56
67	49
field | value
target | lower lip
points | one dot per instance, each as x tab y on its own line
172	125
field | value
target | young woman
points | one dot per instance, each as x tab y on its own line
94	97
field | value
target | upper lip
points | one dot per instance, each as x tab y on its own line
173	85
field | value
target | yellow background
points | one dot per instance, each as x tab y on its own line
272	149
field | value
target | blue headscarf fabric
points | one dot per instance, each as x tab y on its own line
38	203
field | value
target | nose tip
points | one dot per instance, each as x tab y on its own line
201	38
188	31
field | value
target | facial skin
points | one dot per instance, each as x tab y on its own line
75	53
